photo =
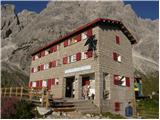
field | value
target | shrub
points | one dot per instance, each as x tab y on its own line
12	107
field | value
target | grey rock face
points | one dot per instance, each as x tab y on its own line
26	32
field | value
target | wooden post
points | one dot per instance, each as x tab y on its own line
16	91
42	97
5	89
21	93
30	94
47	100
10	92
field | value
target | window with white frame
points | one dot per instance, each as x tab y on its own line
84	56
46	66
46	52
33	84
44	83
36	56
84	36
35	69
73	58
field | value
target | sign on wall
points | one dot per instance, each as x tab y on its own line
78	69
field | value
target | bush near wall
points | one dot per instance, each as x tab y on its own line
12	107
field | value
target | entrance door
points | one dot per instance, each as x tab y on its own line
69	87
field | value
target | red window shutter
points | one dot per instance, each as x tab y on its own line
89	54
39	68
55	48
53	81
115	56
49	83
116	79
117	39
39	55
65	43
50	64
89	32
40	83
42	67
117	106
30	84
43	53
51	50
32	70
65	60
37	83
78	56
54	64
127	82
78	37
33	58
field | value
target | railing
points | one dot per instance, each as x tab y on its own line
32	94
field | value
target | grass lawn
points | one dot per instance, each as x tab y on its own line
148	108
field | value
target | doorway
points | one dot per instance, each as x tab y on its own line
69	87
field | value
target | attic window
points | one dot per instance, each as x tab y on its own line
117	40
117	57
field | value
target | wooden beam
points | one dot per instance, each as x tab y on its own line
5	90
21	93
10	92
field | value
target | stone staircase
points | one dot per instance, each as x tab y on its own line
67	105
85	106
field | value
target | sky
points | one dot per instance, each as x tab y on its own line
143	9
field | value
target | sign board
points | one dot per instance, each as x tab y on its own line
78	69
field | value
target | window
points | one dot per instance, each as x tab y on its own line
78	56
106	86
127	81
116	79
46	52
44	83
89	33
84	56
35	69
78	37
32	70
33	58
65	60
42	67
42	53
39	68
117	40
53	49
36	57
84	36
121	80
33	84
39	55
73	58
117	106
69	59
73	40
116	57
65	43
46	66
89	54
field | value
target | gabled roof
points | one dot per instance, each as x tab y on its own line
89	25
